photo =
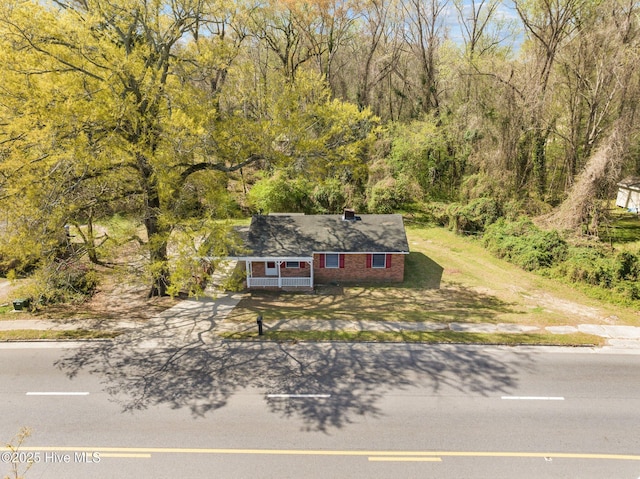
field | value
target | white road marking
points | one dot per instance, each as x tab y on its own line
296	396
57	393
534	398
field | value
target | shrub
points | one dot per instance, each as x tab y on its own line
61	282
627	266
586	265
615	276
386	196
475	216
328	196
437	213
525	245
597	267
280	194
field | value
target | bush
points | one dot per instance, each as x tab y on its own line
386	196
328	196
61	282
437	213
585	265
475	216
627	266
597	267
614	276
280	194
525	245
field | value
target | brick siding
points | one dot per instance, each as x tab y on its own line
355	269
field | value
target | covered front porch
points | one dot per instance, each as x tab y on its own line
278	273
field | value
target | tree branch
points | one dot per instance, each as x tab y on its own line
191	169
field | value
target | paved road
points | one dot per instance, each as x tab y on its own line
322	410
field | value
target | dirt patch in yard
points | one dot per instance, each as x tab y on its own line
118	298
115	301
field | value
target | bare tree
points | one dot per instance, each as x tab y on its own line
380	53
548	23
277	27
423	34
476	19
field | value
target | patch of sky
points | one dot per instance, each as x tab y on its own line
504	27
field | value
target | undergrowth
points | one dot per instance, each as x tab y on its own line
605	272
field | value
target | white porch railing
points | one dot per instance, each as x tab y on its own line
262	282
296	282
284	282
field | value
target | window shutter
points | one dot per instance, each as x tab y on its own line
302	263
322	261
283	265
369	258
388	261
341	260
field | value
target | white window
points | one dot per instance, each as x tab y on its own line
331	260
379	261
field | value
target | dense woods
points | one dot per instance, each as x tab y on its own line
179	113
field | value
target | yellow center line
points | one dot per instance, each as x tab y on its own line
404	459
132	456
301	452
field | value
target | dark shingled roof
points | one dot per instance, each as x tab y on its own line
302	235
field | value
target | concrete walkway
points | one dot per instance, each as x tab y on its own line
203	319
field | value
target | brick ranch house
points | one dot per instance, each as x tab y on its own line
296	251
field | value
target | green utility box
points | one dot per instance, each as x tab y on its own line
21	304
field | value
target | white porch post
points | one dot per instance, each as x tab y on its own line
279	277
248	267
311	267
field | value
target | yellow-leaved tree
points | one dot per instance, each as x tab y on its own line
119	105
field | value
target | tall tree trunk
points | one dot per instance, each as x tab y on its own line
90	241
158	237
157	230
540	162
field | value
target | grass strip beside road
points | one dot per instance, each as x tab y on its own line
55	335
435	337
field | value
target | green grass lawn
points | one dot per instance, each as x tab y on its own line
440	337
624	229
448	278
75	334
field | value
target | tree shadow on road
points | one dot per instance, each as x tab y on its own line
179	363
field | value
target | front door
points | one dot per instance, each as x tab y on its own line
270	268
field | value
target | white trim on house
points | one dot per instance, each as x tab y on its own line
278	281
628	198
384	260
361	252
629	194
337	258
257	259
